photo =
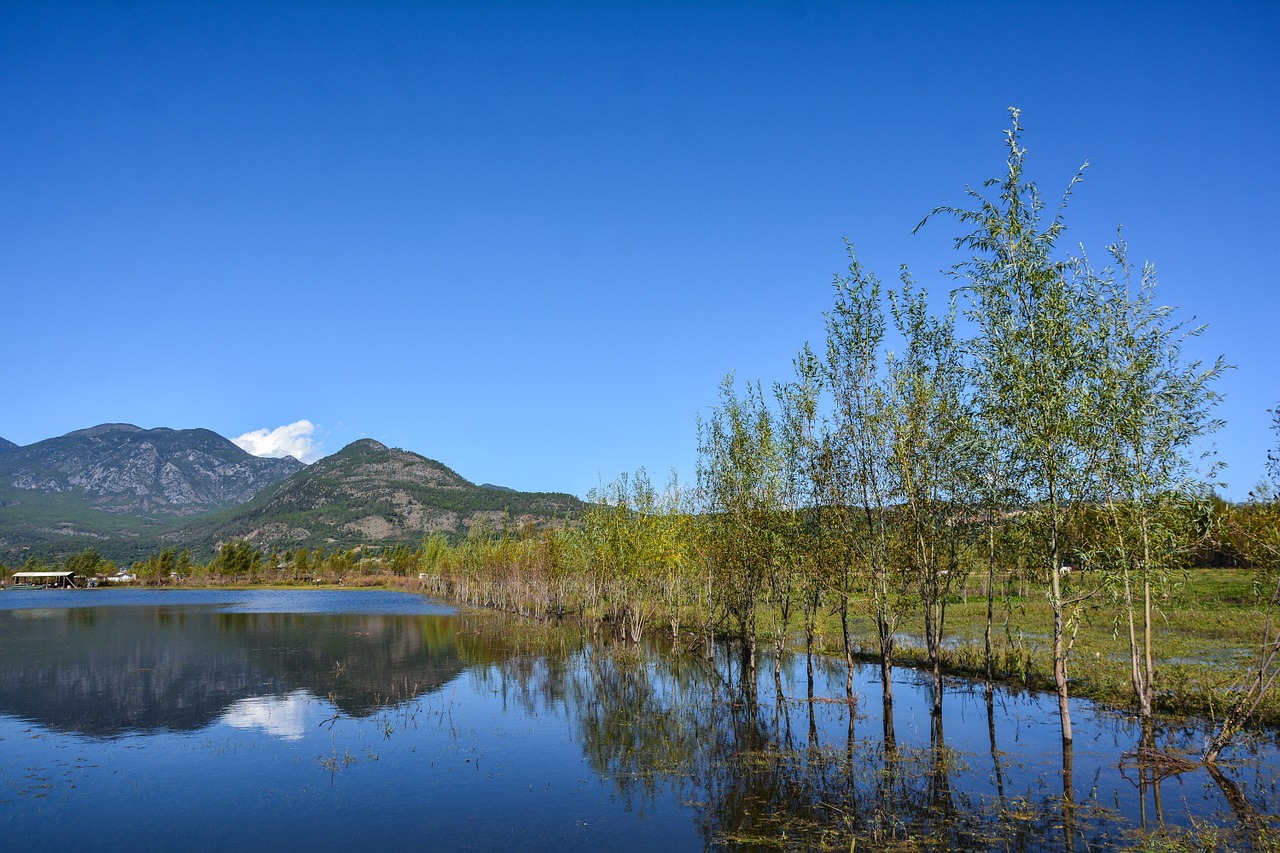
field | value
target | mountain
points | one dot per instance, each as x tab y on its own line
6	444
127	492
117	486
369	494
121	468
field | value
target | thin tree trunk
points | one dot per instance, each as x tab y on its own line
848	650
1059	624
991	595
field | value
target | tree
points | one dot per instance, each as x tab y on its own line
1259	541
237	557
157	568
1035	350
860	446
805	489
88	563
671	531
625	526
930	445
740	483
1153	407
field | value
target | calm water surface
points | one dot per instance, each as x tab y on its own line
336	719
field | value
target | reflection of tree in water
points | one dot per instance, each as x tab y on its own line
756	767
659	725
636	725
527	668
766	770
653	726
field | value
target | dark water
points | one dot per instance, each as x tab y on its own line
372	720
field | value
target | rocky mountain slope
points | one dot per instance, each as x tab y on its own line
367	494
118	483
122	468
6	444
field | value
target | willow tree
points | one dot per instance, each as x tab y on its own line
654	575
1257	537
1154	405
860	447
624	528
1035	351
929	461
801	430
740	487
671	529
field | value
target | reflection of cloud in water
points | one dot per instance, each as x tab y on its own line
285	716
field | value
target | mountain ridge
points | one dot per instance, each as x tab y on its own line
126	492
119	485
160	471
370	494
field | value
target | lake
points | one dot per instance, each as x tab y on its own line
247	719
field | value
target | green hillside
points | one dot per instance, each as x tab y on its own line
369	494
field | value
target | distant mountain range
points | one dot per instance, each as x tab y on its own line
128	492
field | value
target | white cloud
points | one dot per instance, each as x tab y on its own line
290	440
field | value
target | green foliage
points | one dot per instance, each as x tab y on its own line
88	563
1259	539
238	557
637	552
741	487
1081	378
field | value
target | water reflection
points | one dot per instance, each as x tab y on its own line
286	717
108	671
654	726
472	730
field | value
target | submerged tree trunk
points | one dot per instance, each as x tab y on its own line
848	650
889	734
886	667
991	734
1149	774
1068	797
941	798
1060	647
991	598
808	659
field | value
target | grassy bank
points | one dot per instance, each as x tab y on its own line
1206	639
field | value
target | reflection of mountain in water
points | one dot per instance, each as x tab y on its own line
106	671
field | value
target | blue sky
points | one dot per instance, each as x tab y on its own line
529	239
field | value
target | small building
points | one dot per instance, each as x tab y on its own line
43	580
